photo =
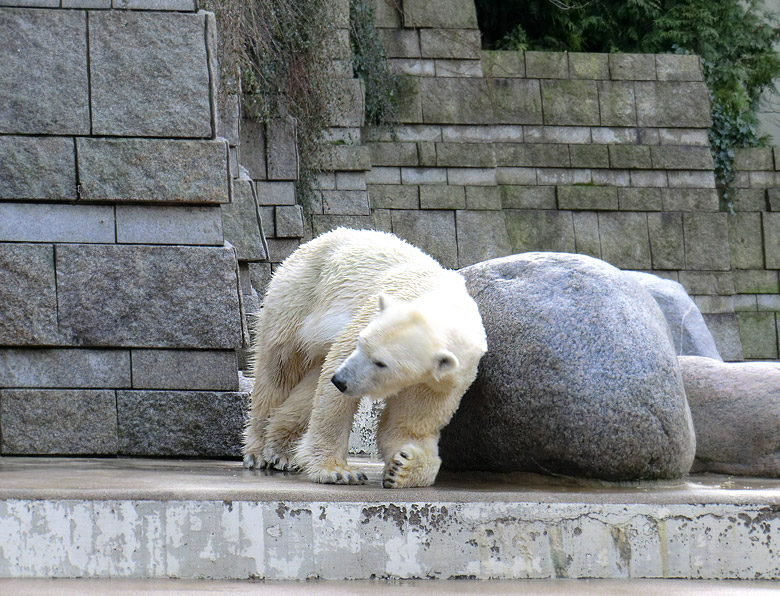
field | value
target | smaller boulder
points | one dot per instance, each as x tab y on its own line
736	415
690	334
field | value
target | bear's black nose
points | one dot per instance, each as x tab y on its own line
339	383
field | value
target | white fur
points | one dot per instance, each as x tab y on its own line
389	322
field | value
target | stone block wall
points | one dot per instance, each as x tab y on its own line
606	155
119	301
131	238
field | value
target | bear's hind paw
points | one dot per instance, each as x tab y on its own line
282	462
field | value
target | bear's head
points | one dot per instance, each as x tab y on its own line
401	347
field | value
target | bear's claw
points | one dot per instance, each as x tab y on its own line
250	462
397	470
411	467
283	462
339	475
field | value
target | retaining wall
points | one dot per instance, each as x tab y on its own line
606	155
119	303
130	237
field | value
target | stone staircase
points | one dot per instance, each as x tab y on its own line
158	519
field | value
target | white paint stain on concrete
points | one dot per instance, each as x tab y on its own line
348	540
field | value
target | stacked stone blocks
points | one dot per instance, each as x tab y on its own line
120	314
340	196
601	154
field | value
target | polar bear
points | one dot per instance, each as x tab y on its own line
354	313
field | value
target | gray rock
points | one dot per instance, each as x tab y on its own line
185	369
37	168
537	229
736	413
432	231
481	235
192	423
43	73
689	331
58	422
580	377
275	193
86	4
456	14
456	101
184	5
252	147
88	369
33	3
153	170
28	315
166	224
241	223
47	222
671	103
725	330
289	221
148	296
282	150
149	74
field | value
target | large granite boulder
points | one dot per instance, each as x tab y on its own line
689	331
736	413
580	377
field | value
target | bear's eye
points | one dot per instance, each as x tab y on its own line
380	364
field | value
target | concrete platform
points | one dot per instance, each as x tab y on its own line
132	518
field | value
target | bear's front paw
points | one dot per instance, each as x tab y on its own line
254	461
335	474
411	467
279	460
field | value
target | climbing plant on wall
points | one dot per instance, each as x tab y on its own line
734	38
275	56
370	65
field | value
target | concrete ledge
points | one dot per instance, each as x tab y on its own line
206	519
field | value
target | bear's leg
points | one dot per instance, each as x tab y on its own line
261	402
276	374
408	441
322	452
288	422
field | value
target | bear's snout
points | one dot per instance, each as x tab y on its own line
340	384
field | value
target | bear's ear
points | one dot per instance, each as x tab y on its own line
385	301
444	363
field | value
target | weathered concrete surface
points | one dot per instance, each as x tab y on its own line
168	170
148	296
149	74
28	295
141	518
44	85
